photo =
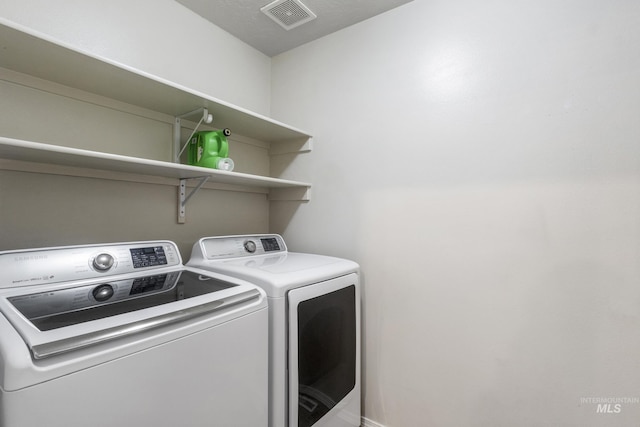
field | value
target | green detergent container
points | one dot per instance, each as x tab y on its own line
210	149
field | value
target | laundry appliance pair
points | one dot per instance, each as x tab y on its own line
246	334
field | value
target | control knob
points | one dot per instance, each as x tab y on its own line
250	246
103	262
103	292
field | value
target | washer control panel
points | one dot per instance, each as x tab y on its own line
239	246
51	265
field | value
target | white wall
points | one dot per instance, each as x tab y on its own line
481	160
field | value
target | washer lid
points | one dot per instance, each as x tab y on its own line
57	319
58	308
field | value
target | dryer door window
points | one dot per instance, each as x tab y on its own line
323	369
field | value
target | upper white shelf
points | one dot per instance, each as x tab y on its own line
28	151
37	55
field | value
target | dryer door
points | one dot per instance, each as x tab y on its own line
324	353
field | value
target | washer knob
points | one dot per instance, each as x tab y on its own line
103	292
250	246
103	262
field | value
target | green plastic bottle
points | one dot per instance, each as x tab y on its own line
210	149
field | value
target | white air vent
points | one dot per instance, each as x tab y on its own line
288	13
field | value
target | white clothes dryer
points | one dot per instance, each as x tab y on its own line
314	325
124	335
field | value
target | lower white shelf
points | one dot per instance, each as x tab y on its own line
34	152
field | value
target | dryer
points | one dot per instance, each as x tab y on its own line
314	325
124	335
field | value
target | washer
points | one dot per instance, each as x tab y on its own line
314	325
124	335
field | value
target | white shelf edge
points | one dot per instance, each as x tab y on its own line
77	172
69	61
36	152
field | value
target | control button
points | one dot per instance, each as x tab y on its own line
103	262
102	292
250	246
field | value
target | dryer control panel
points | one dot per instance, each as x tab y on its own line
52	265
212	248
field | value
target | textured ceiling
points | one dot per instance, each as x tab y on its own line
244	20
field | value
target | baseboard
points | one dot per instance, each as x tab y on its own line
368	423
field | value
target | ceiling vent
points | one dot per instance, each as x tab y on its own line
288	13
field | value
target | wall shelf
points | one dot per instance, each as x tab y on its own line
24	51
35	152
37	55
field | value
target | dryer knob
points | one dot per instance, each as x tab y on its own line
103	262
250	246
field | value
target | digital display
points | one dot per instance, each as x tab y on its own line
148	257
270	244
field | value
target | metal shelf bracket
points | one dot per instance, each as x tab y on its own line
183	197
177	146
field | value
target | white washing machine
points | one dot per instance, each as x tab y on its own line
125	335
314	326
